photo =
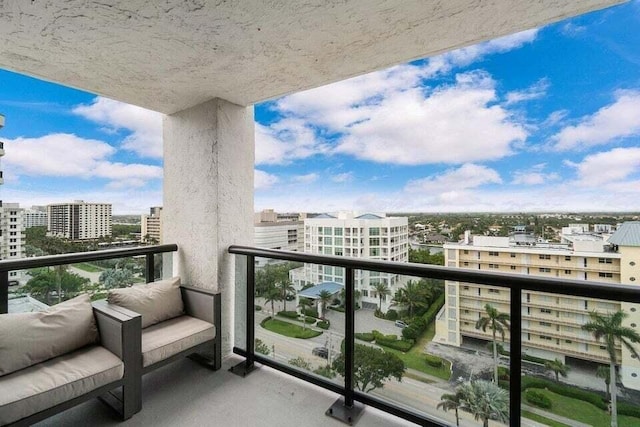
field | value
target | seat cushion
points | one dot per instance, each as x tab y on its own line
155	301
173	336
30	338
49	383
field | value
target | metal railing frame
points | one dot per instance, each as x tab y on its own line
516	283
73	258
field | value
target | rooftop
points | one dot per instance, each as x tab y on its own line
314	292
628	234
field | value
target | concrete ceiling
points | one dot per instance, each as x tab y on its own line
172	54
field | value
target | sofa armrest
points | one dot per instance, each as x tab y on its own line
202	304
120	329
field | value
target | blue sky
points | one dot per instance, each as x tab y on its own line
543	120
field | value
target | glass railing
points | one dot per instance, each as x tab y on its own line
34	283
417	340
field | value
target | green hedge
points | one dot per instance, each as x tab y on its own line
310	312
309	320
337	308
323	324
627	409
258	308
564	390
433	310
392	341
538	399
288	314
434	361
365	336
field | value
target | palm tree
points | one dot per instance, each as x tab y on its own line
451	401
286	287
497	322
413	295
272	295
324	298
382	289
609	328
304	304
485	401
603	372
557	367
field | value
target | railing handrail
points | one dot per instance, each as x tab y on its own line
608	291
77	257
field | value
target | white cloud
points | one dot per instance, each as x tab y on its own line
286	140
535	91
306	179
573	30
453	124
610	123
263	180
342	177
145	126
67	155
465	177
609	167
534	176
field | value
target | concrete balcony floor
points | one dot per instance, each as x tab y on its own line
187	394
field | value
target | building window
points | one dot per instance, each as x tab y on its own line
568	341
605	274
545	310
466	264
466	252
544	256
546	324
605	260
544	337
494	266
544	270
567	272
374	231
567	258
513	255
492	253
466	288
513	267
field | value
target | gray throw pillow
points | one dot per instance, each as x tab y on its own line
155	301
30	338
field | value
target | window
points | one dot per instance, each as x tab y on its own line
466	252
545	310
466	288
544	270
337	231
374	231
374	241
605	260
513	255
546	324
513	267
568	341
567	272
567	258
544	256
466	264
605	274
492	253
374	252
494	266
544	337
494	291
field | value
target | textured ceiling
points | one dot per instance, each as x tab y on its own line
173	54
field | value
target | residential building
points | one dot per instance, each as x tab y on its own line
1	150
35	217
151	226
12	236
551	324
370	236
79	220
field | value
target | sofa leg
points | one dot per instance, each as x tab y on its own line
132	397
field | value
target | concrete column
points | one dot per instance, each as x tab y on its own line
208	196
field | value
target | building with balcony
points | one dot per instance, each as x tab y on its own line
35	217
368	236
151	226
12	238
79	220
551	324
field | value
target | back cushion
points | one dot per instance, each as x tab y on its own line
30	338
155	301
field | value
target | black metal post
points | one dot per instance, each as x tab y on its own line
149	268
4	292
515	364
247	366
347	410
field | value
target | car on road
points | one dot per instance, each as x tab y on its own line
401	324
321	352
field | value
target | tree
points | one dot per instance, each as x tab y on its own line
44	283
497	322
304	304
609	328
372	366
324	298
382	289
116	278
413	295
485	401
558	368
272	295
603	372
451	401
287	288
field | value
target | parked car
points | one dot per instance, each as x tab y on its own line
321	352
401	324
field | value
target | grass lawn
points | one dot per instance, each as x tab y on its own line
415	359
582	411
288	329
90	268
542	420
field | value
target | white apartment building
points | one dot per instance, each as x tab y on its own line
35	218
12	236
551	324
371	236
274	230
79	220
151	226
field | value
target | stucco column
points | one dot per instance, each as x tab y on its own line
208	195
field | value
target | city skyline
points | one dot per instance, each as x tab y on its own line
543	120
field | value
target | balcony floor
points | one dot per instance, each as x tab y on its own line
187	394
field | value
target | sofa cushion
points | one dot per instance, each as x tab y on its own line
173	336
29	338
155	301
54	381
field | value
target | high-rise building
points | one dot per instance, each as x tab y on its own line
151	226
551	324
79	220
35	217
371	236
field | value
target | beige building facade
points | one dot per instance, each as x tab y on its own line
151	226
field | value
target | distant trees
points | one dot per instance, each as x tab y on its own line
451	401
382	289
557	367
54	286
116	278
417	296
324	298
372	367
485	401
271	274
424	256
497	322
304	304
287	289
